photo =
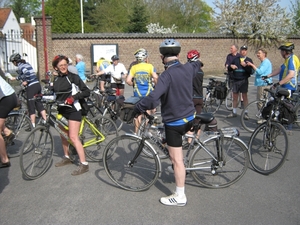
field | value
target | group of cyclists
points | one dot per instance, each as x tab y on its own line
178	90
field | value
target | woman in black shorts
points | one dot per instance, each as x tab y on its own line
62	86
8	101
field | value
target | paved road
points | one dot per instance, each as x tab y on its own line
59	198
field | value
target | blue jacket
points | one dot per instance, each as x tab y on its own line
174	90
264	69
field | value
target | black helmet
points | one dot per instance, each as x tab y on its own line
169	47
16	57
114	57
289	46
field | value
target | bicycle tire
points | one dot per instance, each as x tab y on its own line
211	104
115	118
267	155
20	124
254	111
297	113
229	100
117	156
108	128
232	168
36	155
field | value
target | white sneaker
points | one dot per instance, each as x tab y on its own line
174	199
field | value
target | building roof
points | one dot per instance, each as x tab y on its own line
4	13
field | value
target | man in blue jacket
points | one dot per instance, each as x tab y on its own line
175	90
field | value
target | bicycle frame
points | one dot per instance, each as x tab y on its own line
63	132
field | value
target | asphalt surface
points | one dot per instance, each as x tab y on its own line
59	198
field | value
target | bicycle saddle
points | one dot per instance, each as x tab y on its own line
205	118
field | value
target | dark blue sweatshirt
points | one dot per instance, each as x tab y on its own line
174	90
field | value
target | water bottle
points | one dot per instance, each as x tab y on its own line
63	121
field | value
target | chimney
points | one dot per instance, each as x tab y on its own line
32	21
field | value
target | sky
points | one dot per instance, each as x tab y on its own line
282	3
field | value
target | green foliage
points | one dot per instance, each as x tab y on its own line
190	16
138	20
296	12
66	17
26	8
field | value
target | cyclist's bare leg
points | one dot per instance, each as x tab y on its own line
3	153
245	98
137	123
176	156
235	99
74	127
121	92
102	83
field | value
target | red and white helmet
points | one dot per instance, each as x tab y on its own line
193	55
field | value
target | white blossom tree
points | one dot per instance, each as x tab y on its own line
263	22
155	28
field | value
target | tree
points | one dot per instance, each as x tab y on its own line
66	17
296	12
138	19
189	16
111	15
26	8
263	22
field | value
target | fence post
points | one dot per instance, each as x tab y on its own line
41	45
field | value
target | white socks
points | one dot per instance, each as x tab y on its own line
180	191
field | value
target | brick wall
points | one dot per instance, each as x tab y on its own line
213	48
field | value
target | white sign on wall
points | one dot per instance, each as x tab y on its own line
103	50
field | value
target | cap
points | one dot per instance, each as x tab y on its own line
244	47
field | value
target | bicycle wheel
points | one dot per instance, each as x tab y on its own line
20	124
229	100
36	153
139	176
268	147
108	128
223	172
254	119
211	104
297	113
113	116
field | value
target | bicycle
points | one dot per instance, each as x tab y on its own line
106	102
254	111
37	150
20	124
269	145
132	163
211	101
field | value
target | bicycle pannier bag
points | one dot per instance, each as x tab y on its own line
287	113
221	91
126	112
266	111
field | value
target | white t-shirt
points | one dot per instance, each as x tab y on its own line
5	88
116	71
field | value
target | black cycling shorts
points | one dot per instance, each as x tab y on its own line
240	86
70	113
174	133
7	104
119	86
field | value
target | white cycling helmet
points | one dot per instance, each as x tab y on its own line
141	55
